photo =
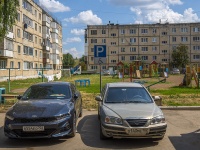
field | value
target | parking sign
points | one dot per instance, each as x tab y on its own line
100	54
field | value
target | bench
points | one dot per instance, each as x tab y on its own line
82	82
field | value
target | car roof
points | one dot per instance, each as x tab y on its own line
124	84
53	83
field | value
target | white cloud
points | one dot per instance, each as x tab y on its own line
151	11
85	17
74	52
54	6
72	40
78	31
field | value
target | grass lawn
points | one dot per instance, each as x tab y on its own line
173	96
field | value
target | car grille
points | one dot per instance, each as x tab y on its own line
46	132
34	120
137	122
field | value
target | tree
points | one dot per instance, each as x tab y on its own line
8	16
180	56
68	60
82	63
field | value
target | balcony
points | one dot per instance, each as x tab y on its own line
54	30
46	60
56	61
47	48
6	53
10	35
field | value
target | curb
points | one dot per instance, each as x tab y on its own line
180	107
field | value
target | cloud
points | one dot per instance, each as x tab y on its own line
78	31
85	17
74	52
54	6
72	40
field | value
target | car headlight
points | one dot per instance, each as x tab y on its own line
113	120
63	116
158	119
9	117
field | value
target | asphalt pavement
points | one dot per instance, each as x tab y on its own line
183	133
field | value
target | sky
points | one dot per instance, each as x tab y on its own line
75	15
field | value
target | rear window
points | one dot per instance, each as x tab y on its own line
47	92
127	94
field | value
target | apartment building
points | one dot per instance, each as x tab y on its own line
147	42
34	43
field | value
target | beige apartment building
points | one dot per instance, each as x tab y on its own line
147	42
33	44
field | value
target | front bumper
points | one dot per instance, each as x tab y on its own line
117	131
51	129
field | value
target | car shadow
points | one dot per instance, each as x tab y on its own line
18	143
88	128
186	141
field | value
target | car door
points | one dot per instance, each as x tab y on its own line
103	92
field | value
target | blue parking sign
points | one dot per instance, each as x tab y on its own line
100	51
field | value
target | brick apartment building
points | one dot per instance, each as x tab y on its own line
147	42
35	41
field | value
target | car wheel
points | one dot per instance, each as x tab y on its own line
73	126
102	136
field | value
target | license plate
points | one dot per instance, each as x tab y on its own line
33	128
137	131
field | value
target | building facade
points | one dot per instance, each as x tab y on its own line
34	43
146	42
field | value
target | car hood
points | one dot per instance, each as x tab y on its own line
132	110
39	108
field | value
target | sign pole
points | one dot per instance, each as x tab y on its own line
100	77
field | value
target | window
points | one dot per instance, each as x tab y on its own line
132	57
35	13
103	31
122	57
122	40
11	64
93	67
173	39
154	39
2	64
113	52
40	16
40	55
92	50
164	60
196	56
35	26
184	39
26	5
164	33
19	49
9	45
145	40
103	40
122	49
93	32
132	40
153	31
113	61
27	21
19	65
113	43
18	17
18	33
144	57
40	29
144	49
196	47
164	42
184	29
93	40
132	31
144	31
92	58
35	40
35	53
164	51
28	36
28	65
154	57
28	50
132	49
113	34
122	31
174	30
196	38
154	48
196	29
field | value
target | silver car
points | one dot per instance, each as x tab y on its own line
127	110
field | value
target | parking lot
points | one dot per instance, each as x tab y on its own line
183	133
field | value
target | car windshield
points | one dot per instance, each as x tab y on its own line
127	95
47	92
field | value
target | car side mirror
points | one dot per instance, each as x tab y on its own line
156	97
158	100
19	97
75	96
98	98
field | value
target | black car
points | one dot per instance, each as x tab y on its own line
45	110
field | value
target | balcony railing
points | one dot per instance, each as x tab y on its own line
6	53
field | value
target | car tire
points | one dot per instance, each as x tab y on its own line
102	136
73	133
